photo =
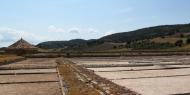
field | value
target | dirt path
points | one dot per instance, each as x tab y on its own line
30	77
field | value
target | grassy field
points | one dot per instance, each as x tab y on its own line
9	58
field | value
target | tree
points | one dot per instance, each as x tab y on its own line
114	47
68	55
182	35
179	43
188	41
163	37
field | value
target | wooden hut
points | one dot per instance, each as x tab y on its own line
21	47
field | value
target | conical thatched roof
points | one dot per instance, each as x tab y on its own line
21	44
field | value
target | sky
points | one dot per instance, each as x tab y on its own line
49	20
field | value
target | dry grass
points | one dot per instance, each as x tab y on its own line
9	58
167	40
183	48
118	50
84	82
75	86
186	47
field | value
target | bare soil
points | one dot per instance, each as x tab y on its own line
30	89
165	76
30	77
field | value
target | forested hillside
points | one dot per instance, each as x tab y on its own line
158	37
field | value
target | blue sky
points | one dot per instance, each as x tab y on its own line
45	20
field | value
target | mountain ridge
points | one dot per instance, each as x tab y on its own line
122	37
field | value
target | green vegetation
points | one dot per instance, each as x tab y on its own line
179	43
188	41
154	38
148	33
62	44
149	45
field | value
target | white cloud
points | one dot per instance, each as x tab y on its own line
74	30
52	28
109	33
91	30
73	33
10	35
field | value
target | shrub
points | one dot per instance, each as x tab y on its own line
114	47
68	55
182	35
179	43
150	45
163	37
188	41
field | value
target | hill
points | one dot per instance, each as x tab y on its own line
61	44
147	33
158	37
